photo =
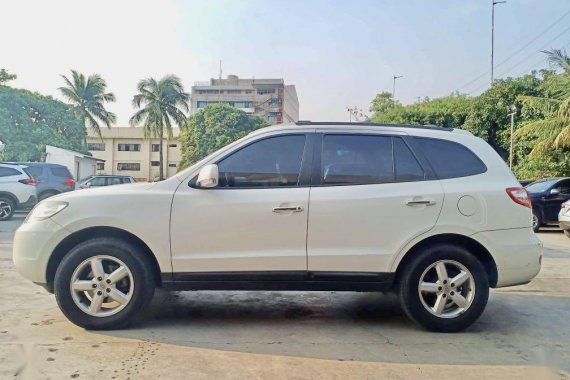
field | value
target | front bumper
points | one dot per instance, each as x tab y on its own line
33	245
517	253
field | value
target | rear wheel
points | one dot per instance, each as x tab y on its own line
103	283
7	208
536	221
445	288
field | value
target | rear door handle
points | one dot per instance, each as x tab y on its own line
420	202
288	209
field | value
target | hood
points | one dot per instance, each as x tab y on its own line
96	191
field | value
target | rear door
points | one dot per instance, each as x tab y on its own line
370	196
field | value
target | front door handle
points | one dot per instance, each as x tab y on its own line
288	209
420	202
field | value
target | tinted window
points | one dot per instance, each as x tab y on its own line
449	159
407	167
273	162
6	172
563	187
34	171
97	181
60	172
114	181
352	159
539	187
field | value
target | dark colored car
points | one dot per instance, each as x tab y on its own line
525	182
547	196
51	179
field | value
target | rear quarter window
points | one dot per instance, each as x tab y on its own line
7	172
34	171
450	159
61	172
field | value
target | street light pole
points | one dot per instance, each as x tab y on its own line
512	113
493	35
394	88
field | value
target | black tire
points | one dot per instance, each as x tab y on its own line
7	208
131	256
47	194
537	221
410	297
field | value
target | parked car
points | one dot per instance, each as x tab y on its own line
546	196
103	180
17	189
52	179
564	218
431	213
525	182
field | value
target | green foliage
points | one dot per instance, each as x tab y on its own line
383	103
553	164
5	76
29	122
161	104
88	96
212	128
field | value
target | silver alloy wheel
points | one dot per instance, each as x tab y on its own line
446	289
534	221
102	286
5	209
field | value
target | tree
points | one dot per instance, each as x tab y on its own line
88	96
30	121
212	128
163	103
5	76
382	103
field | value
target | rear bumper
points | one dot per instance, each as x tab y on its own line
517	253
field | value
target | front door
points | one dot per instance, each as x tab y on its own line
371	198
254	220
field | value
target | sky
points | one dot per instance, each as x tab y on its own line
337	53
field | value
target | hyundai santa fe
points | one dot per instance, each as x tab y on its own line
431	213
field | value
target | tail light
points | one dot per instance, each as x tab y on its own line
28	181
69	182
519	195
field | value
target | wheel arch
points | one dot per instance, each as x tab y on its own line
80	236
10	196
472	245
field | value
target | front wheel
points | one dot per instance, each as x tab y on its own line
445	288
536	221
103	283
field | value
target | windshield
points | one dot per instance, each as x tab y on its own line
539	187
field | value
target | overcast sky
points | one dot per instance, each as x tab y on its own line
338	53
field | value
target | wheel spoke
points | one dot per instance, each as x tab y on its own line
118	274
459	300
441	271
118	296
439	304
97	268
429	287
460	279
82	285
96	303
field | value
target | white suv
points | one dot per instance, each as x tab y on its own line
431	213
17	189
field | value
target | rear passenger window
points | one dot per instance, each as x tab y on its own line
407	167
34	171
6	172
60	172
450	159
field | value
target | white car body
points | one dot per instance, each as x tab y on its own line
194	234
13	188
564	218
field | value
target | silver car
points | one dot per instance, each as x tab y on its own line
564	218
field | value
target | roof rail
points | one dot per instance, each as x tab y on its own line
370	124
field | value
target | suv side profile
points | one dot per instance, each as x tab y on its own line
431	213
17	190
52	179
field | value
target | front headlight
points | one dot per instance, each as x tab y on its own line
44	210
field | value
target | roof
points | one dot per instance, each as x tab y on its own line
370	124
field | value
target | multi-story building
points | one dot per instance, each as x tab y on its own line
127	152
268	98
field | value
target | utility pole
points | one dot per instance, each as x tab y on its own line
512	112
493	35
394	88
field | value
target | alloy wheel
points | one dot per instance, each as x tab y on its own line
5	209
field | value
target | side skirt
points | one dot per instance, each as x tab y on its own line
280	280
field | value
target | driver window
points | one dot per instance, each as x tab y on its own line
272	162
97	181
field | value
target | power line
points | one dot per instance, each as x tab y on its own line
542	60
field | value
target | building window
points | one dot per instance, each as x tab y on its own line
172	145
100	166
133	166
172	165
155	147
155	163
233	91
129	147
96	146
264	91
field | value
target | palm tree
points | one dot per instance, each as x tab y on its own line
163	103
554	129
89	98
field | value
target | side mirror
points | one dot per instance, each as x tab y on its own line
208	177
554	192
